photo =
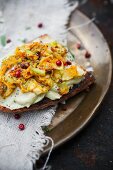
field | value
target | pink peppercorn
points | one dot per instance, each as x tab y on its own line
21	126
87	54
58	63
78	46
17	116
68	63
40	25
17	73
8	40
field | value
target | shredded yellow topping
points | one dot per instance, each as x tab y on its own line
36	67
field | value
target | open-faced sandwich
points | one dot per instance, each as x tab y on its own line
40	74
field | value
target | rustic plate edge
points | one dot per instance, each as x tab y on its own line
99	102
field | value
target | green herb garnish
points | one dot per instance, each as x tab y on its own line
45	129
23	40
28	28
3	40
72	54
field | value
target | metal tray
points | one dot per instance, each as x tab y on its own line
81	108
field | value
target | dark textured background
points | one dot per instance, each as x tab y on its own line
92	149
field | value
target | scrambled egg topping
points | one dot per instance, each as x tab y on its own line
37	67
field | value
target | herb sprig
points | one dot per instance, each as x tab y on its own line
3	40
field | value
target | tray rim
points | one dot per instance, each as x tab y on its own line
71	135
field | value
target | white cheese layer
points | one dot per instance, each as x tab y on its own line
18	100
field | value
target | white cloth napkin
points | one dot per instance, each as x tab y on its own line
19	149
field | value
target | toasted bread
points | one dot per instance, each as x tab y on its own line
88	81
46	102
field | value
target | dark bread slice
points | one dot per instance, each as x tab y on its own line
88	80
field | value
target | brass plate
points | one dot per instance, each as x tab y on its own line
82	107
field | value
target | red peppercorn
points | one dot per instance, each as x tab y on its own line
68	63
24	65
49	71
78	46
40	25
17	116
8	40
21	126
17	73
58	63
87	54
